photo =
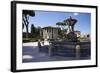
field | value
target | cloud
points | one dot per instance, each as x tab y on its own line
76	14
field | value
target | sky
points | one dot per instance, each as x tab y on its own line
50	18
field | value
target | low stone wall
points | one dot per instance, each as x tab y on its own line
70	49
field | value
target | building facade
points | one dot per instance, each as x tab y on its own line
50	32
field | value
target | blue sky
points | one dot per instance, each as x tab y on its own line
50	18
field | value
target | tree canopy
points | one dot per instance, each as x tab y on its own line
29	12
25	22
60	24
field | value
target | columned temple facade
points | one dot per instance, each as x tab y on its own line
49	32
52	33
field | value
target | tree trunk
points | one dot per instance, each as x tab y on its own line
26	23
27	31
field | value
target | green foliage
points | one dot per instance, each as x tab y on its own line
33	30
62	31
29	12
25	22
61	24
25	40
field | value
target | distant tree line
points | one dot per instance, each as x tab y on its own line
34	34
35	31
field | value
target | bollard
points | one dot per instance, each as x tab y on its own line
50	50
77	51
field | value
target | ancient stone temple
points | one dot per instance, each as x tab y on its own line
50	32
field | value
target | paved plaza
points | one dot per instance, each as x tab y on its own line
31	53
